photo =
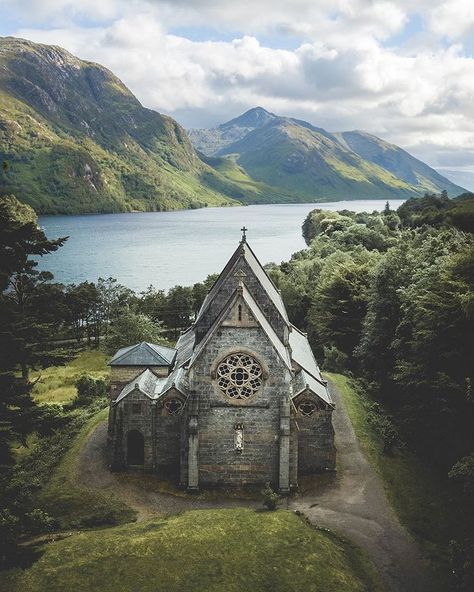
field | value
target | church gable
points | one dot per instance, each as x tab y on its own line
255	319
243	268
239	315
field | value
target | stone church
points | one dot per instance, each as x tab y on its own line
240	400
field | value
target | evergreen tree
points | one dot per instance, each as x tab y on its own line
23	333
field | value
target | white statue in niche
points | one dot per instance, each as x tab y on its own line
239	438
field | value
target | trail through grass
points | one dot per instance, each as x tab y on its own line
417	493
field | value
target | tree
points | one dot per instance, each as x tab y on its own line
130	328
23	334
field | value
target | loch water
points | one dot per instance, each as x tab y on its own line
181	247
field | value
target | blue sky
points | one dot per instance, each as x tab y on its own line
403	70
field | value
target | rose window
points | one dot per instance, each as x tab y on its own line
239	376
307	408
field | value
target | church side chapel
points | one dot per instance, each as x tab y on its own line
239	402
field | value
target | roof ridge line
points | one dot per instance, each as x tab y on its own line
131	348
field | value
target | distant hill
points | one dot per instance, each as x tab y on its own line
75	140
306	162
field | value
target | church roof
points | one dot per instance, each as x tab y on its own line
152	386
244	251
302	353
185	347
175	380
258	316
144	354
310	375
304	381
146	383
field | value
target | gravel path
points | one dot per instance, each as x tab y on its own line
353	503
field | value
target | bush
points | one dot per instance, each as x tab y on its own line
384	427
89	389
38	521
335	360
271	499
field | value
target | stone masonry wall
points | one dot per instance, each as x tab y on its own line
139	418
219	463
167	440
258	293
316	450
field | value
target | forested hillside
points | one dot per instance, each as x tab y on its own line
74	139
388	297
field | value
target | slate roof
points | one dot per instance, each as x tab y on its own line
302	353
175	380
144	354
304	381
146	383
185	347
243	250
152	386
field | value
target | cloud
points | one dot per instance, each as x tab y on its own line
344	71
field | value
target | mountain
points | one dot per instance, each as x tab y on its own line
212	141
305	162
75	140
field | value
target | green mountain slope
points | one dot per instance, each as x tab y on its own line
309	163
76	140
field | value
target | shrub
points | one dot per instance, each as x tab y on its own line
335	360
38	521
90	389
271	499
384	427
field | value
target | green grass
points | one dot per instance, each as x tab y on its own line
56	384
204	550
76	506
416	492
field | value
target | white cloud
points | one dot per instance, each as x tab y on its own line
341	75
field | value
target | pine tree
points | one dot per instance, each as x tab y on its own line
23	332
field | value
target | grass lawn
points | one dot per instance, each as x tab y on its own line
416	492
56	384
76	506
203	550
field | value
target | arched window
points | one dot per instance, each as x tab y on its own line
135	448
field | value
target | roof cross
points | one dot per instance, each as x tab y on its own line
244	236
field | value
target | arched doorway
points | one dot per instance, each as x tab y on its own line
135	448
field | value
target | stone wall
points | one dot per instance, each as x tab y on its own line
219	463
316	450
167	432
132	413
258	293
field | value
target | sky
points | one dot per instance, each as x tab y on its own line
402	70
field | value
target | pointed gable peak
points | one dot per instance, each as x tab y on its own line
245	254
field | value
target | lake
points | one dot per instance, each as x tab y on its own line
180	247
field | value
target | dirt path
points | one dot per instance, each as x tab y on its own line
353	504
140	491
